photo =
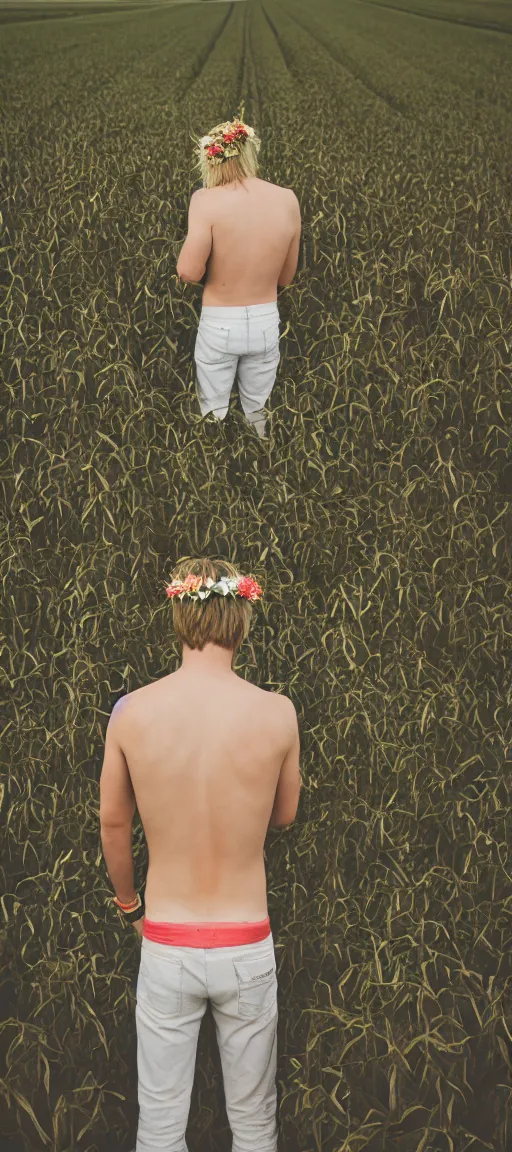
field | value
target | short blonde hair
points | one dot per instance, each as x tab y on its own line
221	620
240	166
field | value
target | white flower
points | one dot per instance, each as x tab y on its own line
250	131
222	587
205	140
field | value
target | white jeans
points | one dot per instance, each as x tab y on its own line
173	988
244	339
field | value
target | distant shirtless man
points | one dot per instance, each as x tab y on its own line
210	761
243	239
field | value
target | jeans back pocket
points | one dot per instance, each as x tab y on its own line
271	338
160	984
257	985
212	342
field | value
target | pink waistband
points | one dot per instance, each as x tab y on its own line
223	934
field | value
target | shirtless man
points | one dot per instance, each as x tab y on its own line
210	761
243	239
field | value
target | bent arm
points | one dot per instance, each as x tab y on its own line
292	256
196	250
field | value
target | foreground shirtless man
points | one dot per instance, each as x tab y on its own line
210	761
243	238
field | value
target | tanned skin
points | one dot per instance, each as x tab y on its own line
243	242
210	761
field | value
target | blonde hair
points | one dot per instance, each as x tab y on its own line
239	158
221	620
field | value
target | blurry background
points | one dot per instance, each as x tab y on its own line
377	518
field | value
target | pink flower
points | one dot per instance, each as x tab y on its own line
249	589
215	150
174	589
192	583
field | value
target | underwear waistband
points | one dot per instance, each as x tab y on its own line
239	313
220	934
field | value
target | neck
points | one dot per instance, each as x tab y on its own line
212	661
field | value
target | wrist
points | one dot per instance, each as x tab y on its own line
133	911
126	897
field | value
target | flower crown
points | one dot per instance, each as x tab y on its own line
226	141
199	588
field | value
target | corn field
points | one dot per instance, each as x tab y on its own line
376	517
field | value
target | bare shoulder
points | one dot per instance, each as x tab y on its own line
274	712
282	708
293	203
129	705
272	700
286	717
286	195
289	199
286	707
118	714
201	201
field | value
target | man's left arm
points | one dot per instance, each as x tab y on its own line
117	809
196	250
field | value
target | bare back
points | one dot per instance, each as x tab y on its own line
253	226
204	757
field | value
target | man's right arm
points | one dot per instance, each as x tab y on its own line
292	257
286	800
196	250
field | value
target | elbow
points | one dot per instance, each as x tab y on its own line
116	826
190	275
278	821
